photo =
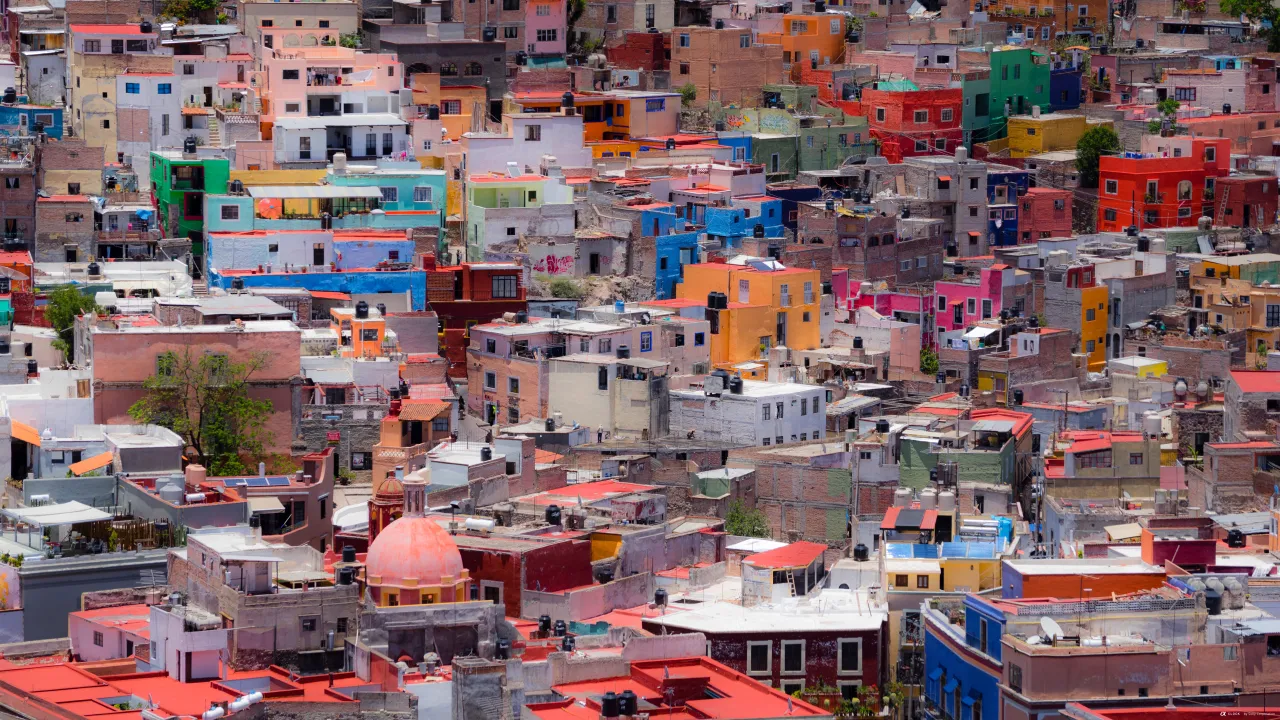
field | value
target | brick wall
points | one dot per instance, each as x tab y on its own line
61	226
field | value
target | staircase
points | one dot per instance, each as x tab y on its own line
200	288
215	130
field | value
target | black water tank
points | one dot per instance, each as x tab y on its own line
941	377
10	96
490	34
502	651
627	703
553	515
861	552
819	6
1017	396
94	269
189	146
1131	231
1144	243
826	287
348	554
1235	538
624	352
544	623
382	309
857	342
609	705
721	126
237	187
671	144
1033	321
1213	602
568	643
346	575
522	317
486	454
145	27
964	391
255	521
735	385
757	231
906	213
1226	108
566	100
551	424
362	310
433	112
561	629
604	575
4	346
882	426
237	283
660	597
1005	315
522	58
719	24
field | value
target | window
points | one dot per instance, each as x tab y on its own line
655	105
699	339
942	302
92	46
780	407
362	461
793	657
292	107
490	345
532	133
849	654
490	381
1100	459
986	309
940	144
106	124
684	68
543	10
767	442
97	638
879	114
548	35
389	194
947	114
1210	154
451	107
646	341
273	248
759	657
289	75
1109	214
230	212
1135	458
308	624
1015	678
920	116
513	385
922	582
132	88
510	32
922	146
1111	187
684	39
605	345
971	305
504	286
744	41
164	89
764	411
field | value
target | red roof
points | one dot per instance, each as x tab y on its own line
1255	445
65	198
588	492
797	554
108	29
1257	381
927	522
1021	421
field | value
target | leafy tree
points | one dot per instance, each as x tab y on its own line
688	93
1093	145
349	40
65	305
746	522
204	398
928	361
1259	11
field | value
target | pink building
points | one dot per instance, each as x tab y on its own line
960	304
545	27
329	81
109	633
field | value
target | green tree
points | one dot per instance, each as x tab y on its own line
567	288
746	522
1259	11
928	361
688	93
65	305
204	398
349	40
1093	145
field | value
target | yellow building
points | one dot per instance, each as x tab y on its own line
614	149
1031	134
456	102
1094	302
762	308
98	55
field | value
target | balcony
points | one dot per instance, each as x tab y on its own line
784	300
399	455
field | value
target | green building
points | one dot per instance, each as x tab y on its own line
179	184
814	142
1019	81
975	120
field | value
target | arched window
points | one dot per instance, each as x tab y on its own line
448	70
474	69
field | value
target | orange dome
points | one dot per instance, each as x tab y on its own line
412	552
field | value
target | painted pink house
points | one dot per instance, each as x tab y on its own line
329	81
960	304
545	27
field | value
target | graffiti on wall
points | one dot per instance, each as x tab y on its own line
553	265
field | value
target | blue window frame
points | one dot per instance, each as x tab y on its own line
132	88
164	89
699	339
655	105
646	341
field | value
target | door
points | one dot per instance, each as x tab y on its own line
415	432
781	333
239	73
304	148
317	254
208	96
595	264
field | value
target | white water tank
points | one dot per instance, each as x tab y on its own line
1151	424
171	494
946	501
902	497
928	499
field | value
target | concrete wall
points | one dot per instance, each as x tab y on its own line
98	491
51	588
591	601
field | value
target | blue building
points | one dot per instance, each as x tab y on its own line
1004	186
674	252
791	195
740	142
352	282
22	119
1002	225
729	225
962	666
1065	88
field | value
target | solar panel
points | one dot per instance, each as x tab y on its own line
233	482
909	518
278	481
256	482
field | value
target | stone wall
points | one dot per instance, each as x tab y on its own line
358	428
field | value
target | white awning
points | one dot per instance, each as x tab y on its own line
266	504
67	513
981	332
314	191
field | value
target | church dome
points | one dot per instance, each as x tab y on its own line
413	552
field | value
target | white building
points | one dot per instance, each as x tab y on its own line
359	135
524	140
159	121
753	413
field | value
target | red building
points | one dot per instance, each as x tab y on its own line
1173	189
503	566
914	122
1046	213
1245	201
648	51
470	294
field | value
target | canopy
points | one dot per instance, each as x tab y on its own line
67	513
981	332
25	433
90	464
267	504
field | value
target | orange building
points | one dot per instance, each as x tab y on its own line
20	263
455	102
1083	578
361	331
814	40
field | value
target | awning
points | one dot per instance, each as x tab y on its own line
67	513
981	332
974	233
25	433
265	505
944	178
329	295
314	191
90	464
951	685
937	673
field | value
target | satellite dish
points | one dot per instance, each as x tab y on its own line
1052	631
